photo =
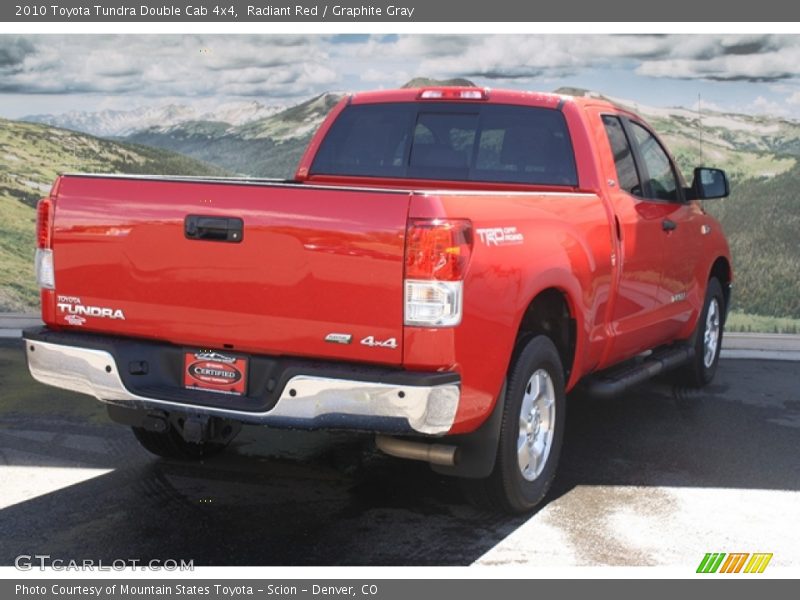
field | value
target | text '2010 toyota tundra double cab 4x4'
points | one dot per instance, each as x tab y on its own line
445	266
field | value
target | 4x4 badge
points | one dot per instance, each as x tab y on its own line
373	343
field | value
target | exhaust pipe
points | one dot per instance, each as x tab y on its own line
437	454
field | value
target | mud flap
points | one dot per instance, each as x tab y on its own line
477	450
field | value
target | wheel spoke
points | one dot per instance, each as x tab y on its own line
536	424
523	454
539	447
533	390
534	463
527	407
711	334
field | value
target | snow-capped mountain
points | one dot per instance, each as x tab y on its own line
239	113
265	147
299	121
121	123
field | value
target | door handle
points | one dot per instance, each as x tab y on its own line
669	225
214	229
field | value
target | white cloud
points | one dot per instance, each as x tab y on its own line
198	65
712	57
166	65
282	69
770	66
385	77
765	106
794	99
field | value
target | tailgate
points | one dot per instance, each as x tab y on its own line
256	267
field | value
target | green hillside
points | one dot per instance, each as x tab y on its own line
762	220
18	290
257	157
31	156
695	146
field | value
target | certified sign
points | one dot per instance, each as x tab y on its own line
215	372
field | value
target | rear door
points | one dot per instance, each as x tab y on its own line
638	227
680	232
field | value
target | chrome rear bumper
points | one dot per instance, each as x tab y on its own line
306	401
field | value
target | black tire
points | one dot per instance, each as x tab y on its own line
170	444
507	489
701	369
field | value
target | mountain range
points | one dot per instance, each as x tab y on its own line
264	147
253	139
760	154
119	123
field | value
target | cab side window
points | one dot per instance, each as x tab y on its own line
627	175
662	183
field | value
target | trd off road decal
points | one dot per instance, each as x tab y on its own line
500	236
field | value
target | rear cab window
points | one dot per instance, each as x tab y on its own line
627	173
450	141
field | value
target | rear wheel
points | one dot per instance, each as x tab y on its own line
707	338
531	433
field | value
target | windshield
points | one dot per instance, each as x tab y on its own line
467	142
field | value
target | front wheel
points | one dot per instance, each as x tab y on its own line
707	338
531	433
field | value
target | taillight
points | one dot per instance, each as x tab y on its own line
438	249
45	271
455	93
44	223
437	256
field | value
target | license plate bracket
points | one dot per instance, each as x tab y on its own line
213	371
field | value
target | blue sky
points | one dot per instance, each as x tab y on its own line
757	74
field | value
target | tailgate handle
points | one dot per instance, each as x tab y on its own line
214	229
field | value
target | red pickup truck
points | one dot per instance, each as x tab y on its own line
446	264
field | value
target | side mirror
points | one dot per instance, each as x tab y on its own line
709	183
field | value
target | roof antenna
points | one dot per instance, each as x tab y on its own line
700	127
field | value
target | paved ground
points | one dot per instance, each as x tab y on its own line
657	477
12	324
766	346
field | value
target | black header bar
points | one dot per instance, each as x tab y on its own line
397	11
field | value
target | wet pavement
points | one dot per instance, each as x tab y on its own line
658	476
